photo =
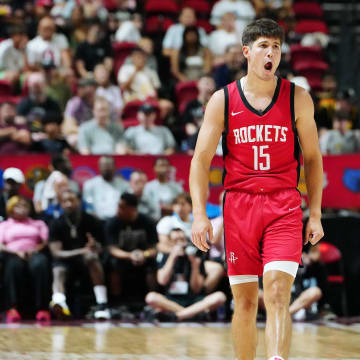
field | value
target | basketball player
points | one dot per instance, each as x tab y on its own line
261	117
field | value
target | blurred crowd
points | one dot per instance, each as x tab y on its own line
117	249
114	77
127	77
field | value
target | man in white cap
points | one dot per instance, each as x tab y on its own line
13	180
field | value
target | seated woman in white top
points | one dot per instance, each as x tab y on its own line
192	60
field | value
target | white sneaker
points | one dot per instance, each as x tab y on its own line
102	312
300	315
59	307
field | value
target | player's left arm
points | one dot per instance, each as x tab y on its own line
309	142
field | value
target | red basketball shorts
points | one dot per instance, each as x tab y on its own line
260	228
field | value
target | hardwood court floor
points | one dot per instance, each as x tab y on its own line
144	341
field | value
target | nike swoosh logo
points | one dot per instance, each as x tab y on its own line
290	209
239	112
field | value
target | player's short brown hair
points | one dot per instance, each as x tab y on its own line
262	27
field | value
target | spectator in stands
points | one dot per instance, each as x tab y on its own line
37	104
173	39
101	135
147	45
22	240
75	26
102	192
130	29
48	45
94	10
131	239
14	138
147	206
52	141
233	67
162	189
182	273
224	36
12	55
181	218
44	189
79	109
342	139
55	185
75	240
136	80
109	91
192	60
309	287
148	138
242	9
60	83
194	111
139	82
95	50
13	179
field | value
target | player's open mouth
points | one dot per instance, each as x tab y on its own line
268	65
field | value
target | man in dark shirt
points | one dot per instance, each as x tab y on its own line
37	104
182	273
194	111
74	244
52	141
232	69
95	50
131	239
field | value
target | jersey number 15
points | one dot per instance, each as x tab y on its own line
261	159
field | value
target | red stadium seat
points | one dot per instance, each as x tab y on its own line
313	70
129	115
168	7
6	93
131	109
185	91
205	24
201	7
110	5
157	24
303	53
309	26
121	51
308	10
331	256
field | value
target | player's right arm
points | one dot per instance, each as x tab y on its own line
206	145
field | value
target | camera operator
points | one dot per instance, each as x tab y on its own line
181	272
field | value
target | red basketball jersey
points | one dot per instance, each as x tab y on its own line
260	149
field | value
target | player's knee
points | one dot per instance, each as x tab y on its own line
245	305
152	298
277	294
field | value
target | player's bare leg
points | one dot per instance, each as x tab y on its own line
244	331
277	287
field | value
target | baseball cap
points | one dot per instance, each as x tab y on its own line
147	108
14	174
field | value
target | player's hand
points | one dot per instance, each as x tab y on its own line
201	229
314	231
